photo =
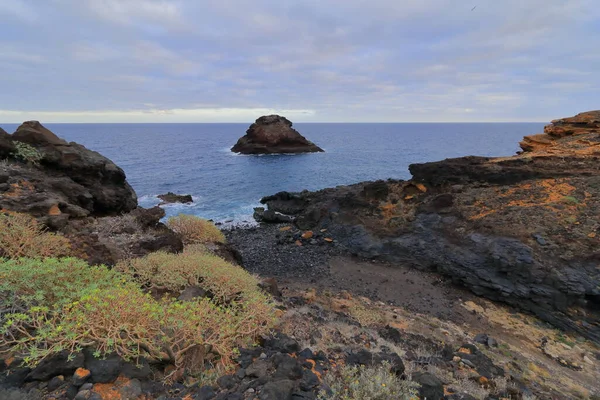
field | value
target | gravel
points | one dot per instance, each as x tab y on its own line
268	251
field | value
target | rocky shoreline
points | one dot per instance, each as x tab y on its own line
520	230
390	277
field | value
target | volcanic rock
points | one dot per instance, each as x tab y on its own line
476	220
78	181
273	134
171	197
80	193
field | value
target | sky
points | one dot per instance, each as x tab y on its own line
312	61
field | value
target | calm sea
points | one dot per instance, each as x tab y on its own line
195	158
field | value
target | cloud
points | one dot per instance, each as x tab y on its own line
412	60
149	115
19	9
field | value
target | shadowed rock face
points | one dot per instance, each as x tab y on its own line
523	230
273	134
77	181
80	193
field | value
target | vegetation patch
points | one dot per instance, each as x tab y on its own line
53	305
21	235
27	153
368	383
194	230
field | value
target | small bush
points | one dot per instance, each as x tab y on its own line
229	285
367	383
195	230
174	272
27	153
48	306
21	235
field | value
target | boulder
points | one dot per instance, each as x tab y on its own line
170	197
270	216
432	388
272	134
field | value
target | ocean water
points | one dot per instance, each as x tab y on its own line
195	158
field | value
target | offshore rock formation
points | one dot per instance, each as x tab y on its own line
170	198
273	134
78	192
521	229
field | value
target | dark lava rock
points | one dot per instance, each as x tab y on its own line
227	381
280	390
205	393
283	343
76	180
365	357
170	197
483	338
55	383
273	134
270	216
103	370
432	388
59	364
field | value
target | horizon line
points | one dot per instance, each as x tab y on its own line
301	122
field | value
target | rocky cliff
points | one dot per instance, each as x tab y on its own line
273	134
78	192
523	230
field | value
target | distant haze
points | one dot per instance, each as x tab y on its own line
312	61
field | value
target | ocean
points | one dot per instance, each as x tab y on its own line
195	158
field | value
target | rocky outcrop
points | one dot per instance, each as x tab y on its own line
575	134
78	192
521	229
67	178
170	197
273	134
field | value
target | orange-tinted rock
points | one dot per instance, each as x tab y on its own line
122	389
80	376
575	130
307	235
54	210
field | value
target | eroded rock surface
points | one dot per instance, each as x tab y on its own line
521	229
80	193
273	134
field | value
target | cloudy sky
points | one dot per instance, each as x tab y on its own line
313	60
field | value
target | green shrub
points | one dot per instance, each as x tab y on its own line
229	285
21	235
368	383
27	153
53	282
195	230
174	272
53	305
